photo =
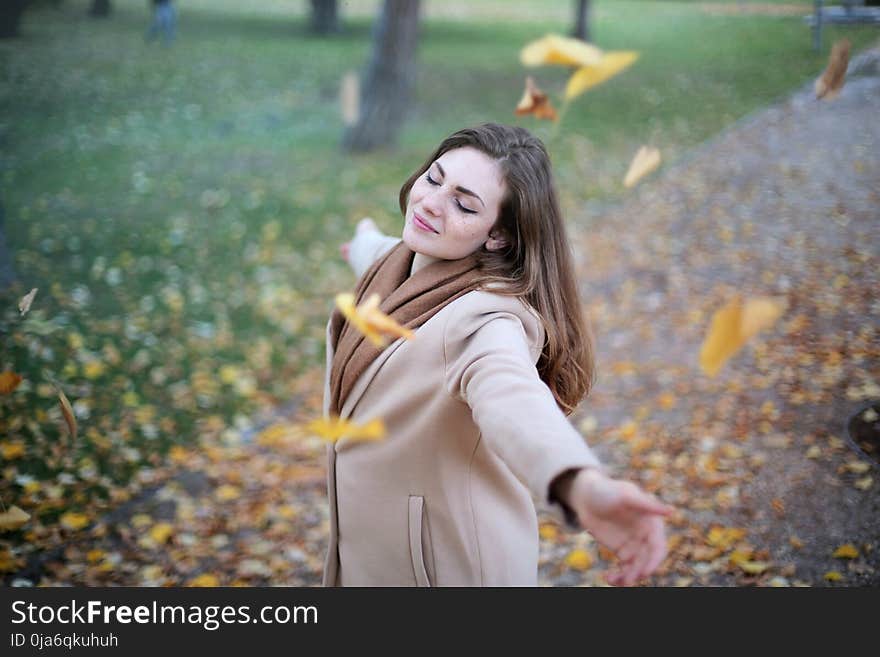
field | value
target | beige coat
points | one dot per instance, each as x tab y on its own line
473	434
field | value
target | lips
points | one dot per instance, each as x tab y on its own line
423	225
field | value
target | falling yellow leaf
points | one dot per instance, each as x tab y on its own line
536	102
67	412
556	49
645	161
369	320
13	519
846	551
73	520
831	81
8	382
733	325
25	304
833	576
204	580
589	76
579	560
334	428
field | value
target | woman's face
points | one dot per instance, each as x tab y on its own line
454	204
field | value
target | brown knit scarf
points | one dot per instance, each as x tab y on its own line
410	300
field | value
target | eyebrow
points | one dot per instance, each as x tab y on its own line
463	190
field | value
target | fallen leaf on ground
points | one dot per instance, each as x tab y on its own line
9	381
13	519
846	551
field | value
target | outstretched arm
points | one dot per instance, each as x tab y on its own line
621	516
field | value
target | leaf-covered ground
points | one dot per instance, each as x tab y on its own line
768	486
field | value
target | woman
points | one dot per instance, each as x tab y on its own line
475	404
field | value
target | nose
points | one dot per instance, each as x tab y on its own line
432	202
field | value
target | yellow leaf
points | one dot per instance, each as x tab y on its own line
579	560
93	369
548	531
831	81
74	521
753	567
205	579
228	374
25	304
227	493
8	382
733	325
13	519
724	537
795	542
161	532
334	428
13	450
589	76
369	320
833	576
846	551
94	556
67	412
857	467
645	161
864	483
141	520
556	49
536	102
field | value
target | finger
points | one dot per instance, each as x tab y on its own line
641	501
658	548
640	563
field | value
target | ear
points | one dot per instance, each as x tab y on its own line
496	241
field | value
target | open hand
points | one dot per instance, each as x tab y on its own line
623	518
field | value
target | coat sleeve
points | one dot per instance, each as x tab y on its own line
367	247
492	344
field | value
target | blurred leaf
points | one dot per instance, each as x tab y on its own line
73	520
556	49
67	412
846	551
205	580
369	320
13	519
579	559
645	161
349	98
9	381
25	304
589	76
733	325
829	84
535	102
335	428
833	576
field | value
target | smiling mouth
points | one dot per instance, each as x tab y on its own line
424	225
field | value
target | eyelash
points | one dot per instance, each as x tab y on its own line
460	206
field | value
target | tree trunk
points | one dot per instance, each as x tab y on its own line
386	92
100	8
325	17
582	20
10	17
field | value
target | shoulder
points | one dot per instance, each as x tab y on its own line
474	311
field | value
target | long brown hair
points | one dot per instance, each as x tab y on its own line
537	263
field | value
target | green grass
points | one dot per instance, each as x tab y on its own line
180	208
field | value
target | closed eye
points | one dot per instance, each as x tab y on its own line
431	181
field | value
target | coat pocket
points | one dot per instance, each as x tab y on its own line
420	540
